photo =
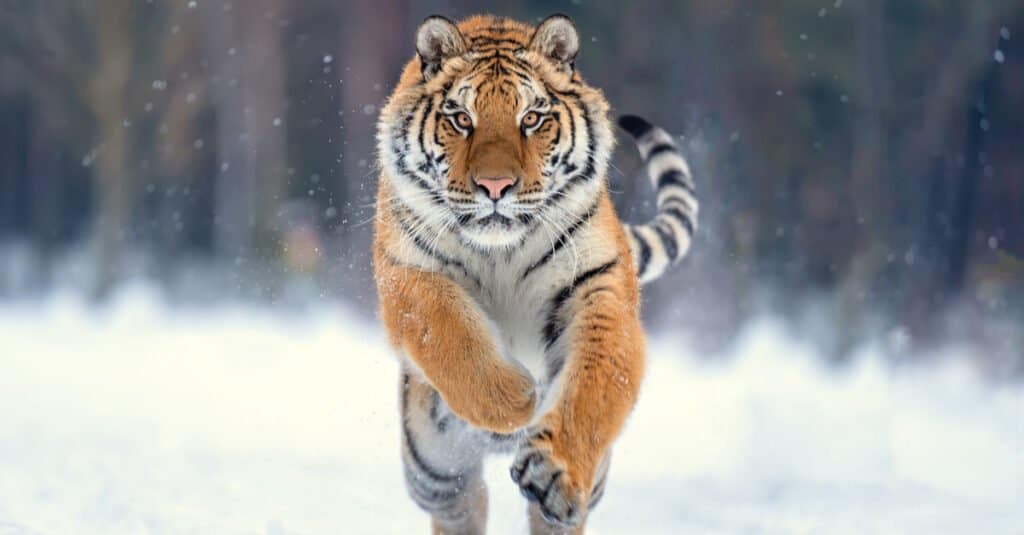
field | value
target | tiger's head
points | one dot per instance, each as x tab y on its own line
491	132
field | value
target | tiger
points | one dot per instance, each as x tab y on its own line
508	286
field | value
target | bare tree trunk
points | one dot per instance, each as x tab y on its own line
44	195
265	114
179	145
962	219
368	73
868	161
928	160
107	92
869	173
244	47
234	191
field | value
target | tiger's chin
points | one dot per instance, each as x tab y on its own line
494	232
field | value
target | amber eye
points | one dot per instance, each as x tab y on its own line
463	120
531	119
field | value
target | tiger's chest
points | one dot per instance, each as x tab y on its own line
518	310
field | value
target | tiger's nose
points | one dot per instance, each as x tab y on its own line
495	187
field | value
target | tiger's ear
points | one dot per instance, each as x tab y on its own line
438	39
556	37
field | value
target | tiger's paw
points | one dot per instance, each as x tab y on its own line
544	477
501	400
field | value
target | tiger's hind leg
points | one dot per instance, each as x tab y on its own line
442	460
540	526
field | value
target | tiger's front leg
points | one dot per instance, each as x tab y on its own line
559	467
444	333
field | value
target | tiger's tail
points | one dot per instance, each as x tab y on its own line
664	240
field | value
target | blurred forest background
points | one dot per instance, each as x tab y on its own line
860	163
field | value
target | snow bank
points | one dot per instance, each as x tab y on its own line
137	418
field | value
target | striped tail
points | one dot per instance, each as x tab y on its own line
661	242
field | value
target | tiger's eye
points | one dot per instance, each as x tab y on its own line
531	119
463	120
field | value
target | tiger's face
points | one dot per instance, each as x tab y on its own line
491	133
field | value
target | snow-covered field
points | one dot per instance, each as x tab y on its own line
138	418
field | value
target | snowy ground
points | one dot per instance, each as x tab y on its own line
140	419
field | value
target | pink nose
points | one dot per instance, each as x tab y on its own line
496	187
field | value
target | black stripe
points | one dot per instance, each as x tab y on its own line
439	123
636	126
551	483
500	438
683	218
418	241
432	501
485	40
557	121
555	367
499	70
416	459
394	261
563	191
498	55
660	148
441	421
597	492
671	199
562	240
423	124
572	130
421	486
428	70
414	454
543	434
668	241
522	76
675	177
519	469
590	293
554	327
508	46
570	92
440	257
645	252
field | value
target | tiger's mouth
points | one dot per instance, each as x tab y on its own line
495	218
494	230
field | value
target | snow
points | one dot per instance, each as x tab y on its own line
142	418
